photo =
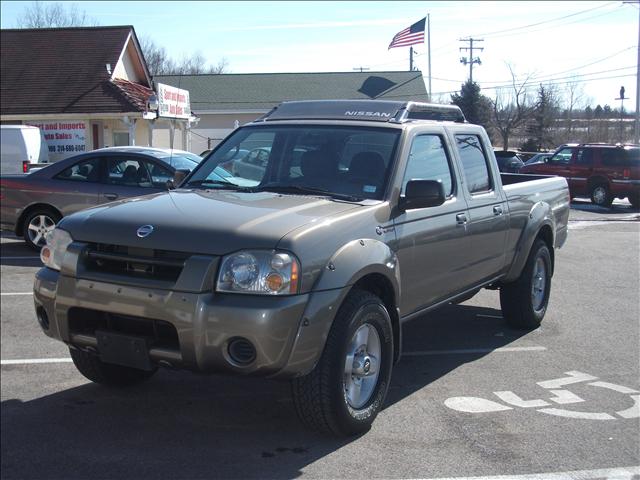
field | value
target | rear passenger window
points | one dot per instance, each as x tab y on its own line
584	157
474	163
428	161
620	157
87	171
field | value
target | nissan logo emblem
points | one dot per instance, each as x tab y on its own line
144	230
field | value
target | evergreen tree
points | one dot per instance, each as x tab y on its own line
475	106
598	111
545	113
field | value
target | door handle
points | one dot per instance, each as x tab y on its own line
110	196
497	210
461	219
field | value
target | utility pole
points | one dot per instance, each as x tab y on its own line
471	60
636	126
622	99
429	50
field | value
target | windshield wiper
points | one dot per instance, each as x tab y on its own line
218	183
287	188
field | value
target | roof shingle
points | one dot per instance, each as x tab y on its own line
262	91
61	70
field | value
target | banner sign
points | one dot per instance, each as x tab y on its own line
173	102
64	137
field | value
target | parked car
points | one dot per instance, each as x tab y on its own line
21	146
600	171
508	161
32	204
538	158
252	165
310	274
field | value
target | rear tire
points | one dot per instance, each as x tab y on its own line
108	374
601	196
341	396
37	224
635	201
524	302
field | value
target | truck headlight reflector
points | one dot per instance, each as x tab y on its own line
53	252
259	272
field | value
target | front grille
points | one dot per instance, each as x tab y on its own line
144	263
86	321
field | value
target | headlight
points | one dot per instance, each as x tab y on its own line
53	252
259	272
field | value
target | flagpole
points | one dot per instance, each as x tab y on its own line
411	59
429	49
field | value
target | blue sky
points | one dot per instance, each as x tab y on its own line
558	42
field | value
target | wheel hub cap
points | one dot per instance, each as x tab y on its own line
38	228
538	284
362	363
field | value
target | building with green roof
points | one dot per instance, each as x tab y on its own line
225	101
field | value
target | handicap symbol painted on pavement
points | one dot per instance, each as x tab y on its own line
560	396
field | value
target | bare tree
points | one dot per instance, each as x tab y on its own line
54	15
512	108
160	63
574	95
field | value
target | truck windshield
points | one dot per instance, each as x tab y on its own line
345	162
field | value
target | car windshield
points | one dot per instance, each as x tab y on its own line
181	161
344	162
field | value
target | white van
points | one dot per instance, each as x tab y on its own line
21	145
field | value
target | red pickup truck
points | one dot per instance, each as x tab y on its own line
602	172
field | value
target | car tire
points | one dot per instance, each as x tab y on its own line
37	224
524	302
332	398
107	374
601	195
635	201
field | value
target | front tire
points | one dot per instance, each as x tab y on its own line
524	302
635	201
36	226
601	196
346	390
107	374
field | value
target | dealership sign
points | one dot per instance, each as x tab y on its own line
64	137
173	102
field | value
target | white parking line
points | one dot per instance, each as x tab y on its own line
8	294
19	258
474	350
619	473
32	361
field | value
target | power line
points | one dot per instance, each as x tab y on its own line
546	21
498	87
520	32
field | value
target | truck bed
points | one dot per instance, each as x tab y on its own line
530	196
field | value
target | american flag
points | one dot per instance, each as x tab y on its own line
410	35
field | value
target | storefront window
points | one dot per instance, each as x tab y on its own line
120	139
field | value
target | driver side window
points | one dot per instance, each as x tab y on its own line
428	160
563	157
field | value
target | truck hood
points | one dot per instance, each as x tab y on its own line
201	221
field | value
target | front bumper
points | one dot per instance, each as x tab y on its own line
288	332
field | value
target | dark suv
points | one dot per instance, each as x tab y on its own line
602	172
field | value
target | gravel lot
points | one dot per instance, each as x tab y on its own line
470	398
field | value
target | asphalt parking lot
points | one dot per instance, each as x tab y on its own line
470	398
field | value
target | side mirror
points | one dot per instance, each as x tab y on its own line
422	194
546	159
179	175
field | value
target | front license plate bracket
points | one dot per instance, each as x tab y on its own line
125	350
